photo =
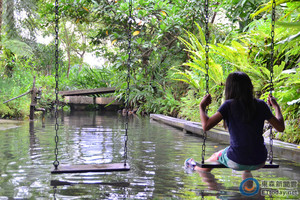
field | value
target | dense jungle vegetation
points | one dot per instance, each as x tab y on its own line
167	70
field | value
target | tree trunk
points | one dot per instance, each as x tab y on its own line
69	62
68	41
81	61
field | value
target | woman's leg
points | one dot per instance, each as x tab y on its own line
212	158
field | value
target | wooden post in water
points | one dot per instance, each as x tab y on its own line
33	100
35	95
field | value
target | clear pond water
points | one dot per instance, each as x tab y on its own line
156	153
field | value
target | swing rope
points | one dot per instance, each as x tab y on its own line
130	20
272	74
206	68
56	162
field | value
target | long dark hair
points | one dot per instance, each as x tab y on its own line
239	88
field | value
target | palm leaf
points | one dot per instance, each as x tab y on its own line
289	24
19	48
267	7
289	39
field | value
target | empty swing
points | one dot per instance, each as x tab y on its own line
59	169
217	164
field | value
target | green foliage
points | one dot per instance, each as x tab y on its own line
286	30
239	11
5	111
47	84
195	75
241	56
143	97
190	77
168	104
12	87
89	78
288	95
189	108
196	47
292	4
18	48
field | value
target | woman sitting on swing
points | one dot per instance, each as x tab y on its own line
244	117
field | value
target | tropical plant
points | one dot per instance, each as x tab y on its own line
289	97
189	108
169	104
195	74
90	78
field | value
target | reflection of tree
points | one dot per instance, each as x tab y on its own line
5	154
153	150
20	153
92	138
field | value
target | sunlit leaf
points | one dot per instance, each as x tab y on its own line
112	43
85	9
268	7
164	13
136	33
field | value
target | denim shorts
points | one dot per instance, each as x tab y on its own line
223	159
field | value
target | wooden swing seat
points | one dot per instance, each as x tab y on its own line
90	168
64	183
219	165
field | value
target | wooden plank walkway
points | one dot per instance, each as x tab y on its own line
88	91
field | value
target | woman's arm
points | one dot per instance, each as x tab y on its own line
276	121
208	122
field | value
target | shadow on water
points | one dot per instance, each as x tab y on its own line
156	154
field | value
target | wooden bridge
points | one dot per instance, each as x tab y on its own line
80	99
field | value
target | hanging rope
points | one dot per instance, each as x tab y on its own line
206	68
130	20
56	162
272	74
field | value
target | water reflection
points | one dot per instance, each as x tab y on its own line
156	154
91	139
250	187
34	144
